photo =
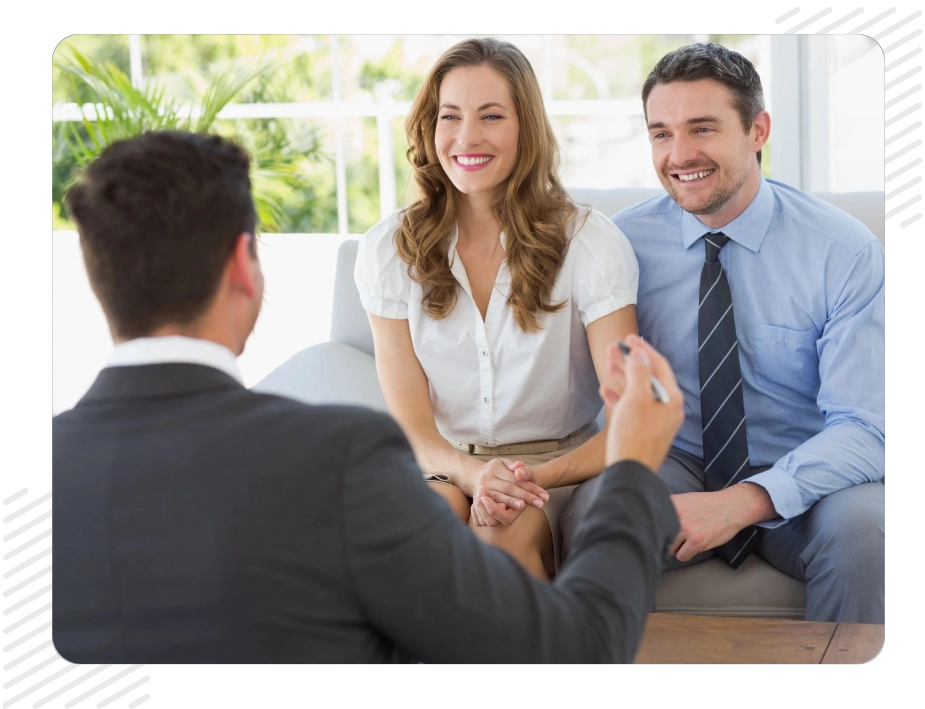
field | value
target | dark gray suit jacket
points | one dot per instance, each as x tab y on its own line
197	521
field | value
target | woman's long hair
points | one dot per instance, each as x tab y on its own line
534	211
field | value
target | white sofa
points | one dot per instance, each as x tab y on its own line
343	371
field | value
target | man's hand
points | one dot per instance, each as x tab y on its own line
710	519
639	427
501	489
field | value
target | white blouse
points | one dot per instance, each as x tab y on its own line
491	383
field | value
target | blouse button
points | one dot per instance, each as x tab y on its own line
484	353
485	400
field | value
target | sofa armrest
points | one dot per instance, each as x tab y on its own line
327	373
349	323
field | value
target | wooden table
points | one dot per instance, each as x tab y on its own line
673	639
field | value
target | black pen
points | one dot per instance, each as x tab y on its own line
658	391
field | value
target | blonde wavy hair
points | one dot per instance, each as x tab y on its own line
534	210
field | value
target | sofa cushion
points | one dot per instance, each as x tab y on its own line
712	587
327	373
610	202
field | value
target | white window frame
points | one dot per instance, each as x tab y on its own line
794	94
800	146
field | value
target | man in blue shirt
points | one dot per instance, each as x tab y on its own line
806	350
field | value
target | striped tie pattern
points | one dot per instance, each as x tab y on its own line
725	446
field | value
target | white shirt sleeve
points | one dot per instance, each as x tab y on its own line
380	274
606	272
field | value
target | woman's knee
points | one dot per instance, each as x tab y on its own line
530	531
454	497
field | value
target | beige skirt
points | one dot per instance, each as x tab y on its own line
558	496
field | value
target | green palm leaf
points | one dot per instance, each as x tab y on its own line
223	89
120	110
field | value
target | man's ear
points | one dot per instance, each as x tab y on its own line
761	130
241	264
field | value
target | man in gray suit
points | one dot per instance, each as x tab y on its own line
197	521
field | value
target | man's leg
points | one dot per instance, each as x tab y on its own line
837	547
681	472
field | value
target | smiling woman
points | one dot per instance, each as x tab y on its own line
476	135
492	300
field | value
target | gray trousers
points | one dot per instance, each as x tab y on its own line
836	546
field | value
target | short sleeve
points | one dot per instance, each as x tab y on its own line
380	274
606	274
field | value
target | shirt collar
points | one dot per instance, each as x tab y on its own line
174	348
747	229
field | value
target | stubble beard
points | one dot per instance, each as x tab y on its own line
717	199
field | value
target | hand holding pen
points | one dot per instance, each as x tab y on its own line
642	420
658	390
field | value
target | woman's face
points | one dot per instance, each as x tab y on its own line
477	130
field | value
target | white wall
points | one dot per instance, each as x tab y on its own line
299	271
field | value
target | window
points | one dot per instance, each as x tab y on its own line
340	102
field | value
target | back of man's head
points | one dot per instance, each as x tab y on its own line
158	216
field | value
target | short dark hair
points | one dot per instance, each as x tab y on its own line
158	215
712	61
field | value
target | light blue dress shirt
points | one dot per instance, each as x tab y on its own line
807	291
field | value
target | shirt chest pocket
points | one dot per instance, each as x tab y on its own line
786	359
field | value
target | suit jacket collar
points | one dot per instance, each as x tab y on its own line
157	381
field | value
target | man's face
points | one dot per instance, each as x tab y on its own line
703	156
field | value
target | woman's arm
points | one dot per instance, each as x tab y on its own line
587	460
407	395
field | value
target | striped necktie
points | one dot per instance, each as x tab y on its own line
725	446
